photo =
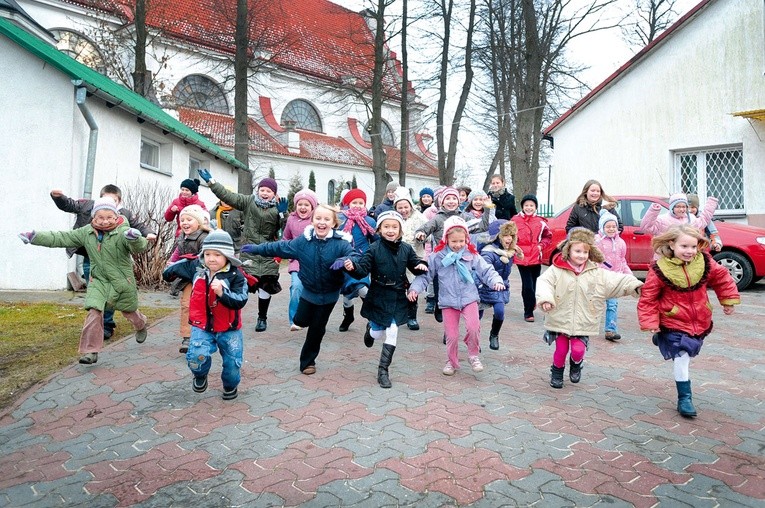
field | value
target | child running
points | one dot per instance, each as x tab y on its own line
229	219
386	305
614	250
413	219
715	240
573	292
533	238
188	196
195	224
499	252
454	262
655	224
321	251
675	306
305	202
109	242
219	293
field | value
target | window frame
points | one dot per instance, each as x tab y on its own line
702	175
299	123
163	155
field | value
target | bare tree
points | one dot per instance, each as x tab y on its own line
241	118
646	20
404	141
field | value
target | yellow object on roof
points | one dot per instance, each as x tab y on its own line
755	114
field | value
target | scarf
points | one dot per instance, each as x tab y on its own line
455	258
504	255
355	216
263	203
476	213
100	230
221	208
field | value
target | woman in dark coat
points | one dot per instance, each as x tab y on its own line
586	211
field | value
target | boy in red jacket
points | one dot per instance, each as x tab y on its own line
219	292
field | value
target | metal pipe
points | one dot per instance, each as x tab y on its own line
90	164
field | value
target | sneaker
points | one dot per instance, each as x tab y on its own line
613	336
476	364
108	333
200	384
140	335
89	358
448	369
229	394
261	325
295	328
184	345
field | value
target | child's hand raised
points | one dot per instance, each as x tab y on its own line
412	296
174	208
499	286
56	193
727	310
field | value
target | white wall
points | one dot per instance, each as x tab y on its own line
680	97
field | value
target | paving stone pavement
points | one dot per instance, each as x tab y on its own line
129	431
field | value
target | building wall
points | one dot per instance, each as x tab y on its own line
678	98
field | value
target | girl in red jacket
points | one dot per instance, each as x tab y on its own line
674	304
533	237
188	196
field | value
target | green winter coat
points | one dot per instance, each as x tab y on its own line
112	282
260	225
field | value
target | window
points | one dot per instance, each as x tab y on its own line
385	132
715	172
331	186
149	154
195	165
200	92
80	48
303	114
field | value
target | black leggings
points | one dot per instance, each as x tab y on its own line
314	317
529	275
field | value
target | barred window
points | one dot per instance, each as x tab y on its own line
714	172
303	114
200	92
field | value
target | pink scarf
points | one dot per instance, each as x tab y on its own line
356	216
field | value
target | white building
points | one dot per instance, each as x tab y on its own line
687	113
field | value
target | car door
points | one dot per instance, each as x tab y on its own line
639	251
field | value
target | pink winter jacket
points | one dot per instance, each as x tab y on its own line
655	224
293	229
615	251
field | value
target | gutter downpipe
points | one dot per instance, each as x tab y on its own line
90	164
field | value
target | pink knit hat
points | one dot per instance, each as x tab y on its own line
454	222
446	192
308	195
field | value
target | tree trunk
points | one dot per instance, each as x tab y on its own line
141	84
379	157
404	142
241	134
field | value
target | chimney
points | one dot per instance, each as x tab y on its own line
290	137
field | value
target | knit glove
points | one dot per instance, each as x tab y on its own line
249	248
282	205
204	174
338	264
132	234
27	237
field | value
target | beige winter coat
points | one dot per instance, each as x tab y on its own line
580	299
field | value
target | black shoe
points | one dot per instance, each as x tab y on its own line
430	305
556	376
262	325
438	314
369	341
575	371
494	342
184	345
613	336
412	324
200	384
108	333
444	339
229	394
347	319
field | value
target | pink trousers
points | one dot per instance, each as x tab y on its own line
562	344
92	336
452	330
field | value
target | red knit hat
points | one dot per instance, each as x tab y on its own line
354	194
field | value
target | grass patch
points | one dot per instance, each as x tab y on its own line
38	339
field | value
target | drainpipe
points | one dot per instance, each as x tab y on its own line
90	164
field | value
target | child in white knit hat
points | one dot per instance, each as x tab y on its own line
655	224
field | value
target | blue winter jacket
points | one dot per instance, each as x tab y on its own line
320	284
493	255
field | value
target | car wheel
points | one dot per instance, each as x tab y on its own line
739	267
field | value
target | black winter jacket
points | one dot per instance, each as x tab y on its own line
584	216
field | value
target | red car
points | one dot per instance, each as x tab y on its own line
743	252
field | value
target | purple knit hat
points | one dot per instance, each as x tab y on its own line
268	182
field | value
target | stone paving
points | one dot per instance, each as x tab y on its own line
129	431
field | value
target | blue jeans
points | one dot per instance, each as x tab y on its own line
109	323
296	289
612	304
202	346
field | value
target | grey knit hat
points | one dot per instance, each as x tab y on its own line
221	241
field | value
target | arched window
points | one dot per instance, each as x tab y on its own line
385	132
80	48
303	114
200	92
331	187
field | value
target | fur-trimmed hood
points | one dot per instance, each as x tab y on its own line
309	235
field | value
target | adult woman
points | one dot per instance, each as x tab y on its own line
586	211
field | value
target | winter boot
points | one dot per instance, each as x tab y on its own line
347	318
438	314
556	376
263	304
575	370
412	323
496	326
369	341
685	399
430	305
382	370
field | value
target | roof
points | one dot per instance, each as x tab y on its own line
116	94
313	145
16	12
313	37
621	71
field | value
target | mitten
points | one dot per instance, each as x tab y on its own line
204	174
248	248
132	234
338	264
282	205
27	237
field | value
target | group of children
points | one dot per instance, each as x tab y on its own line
331	252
